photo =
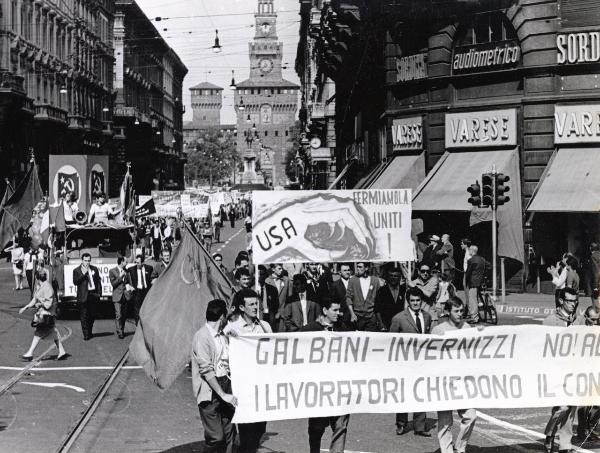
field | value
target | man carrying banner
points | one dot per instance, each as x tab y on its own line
245	303
327	320
211	382
455	308
360	298
561	420
412	320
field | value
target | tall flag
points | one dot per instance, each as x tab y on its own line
127	196
146	209
175	308
18	208
7	193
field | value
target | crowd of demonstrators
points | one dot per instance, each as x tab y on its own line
151	236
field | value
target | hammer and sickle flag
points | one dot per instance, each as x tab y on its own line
68	182
97	182
175	308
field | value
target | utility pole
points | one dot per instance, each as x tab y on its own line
494	232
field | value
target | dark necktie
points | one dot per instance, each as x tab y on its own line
419	326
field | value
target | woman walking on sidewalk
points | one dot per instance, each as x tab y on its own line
44	320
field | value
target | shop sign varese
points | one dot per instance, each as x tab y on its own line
407	133
577	124
481	129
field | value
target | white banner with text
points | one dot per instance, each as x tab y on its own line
318	374
297	226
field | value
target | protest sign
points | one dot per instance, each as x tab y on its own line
309	374
332	225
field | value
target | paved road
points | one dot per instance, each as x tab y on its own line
134	416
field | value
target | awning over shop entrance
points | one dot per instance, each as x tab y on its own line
445	189
404	172
341	174
570	184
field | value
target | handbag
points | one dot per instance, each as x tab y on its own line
19	264
42	318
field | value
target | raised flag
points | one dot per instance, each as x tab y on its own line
175	308
146	209
18	208
127	197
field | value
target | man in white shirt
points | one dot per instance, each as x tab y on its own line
455	309
246	305
360	297
100	211
70	208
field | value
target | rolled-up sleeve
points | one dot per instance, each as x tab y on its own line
202	355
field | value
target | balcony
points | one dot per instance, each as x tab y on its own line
126	112
92	124
11	82
76	122
28	107
46	112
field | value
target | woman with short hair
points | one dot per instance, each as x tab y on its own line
45	303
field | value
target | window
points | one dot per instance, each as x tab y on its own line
484	28
287	133
266	133
276	133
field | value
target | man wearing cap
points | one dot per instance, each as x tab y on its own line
429	254
428	284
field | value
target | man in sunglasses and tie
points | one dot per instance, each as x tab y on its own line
140	280
89	288
412	320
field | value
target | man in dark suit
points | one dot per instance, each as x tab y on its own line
390	297
268	298
300	311
475	276
284	291
412	320
337	292
360	298
118	279
312	280
140	280
89	288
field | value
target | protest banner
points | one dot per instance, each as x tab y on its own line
332	225
308	374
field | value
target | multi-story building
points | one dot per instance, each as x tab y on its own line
468	87
148	110
56	72
207	101
266	103
317	111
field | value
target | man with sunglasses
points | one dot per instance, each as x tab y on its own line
428	284
561	420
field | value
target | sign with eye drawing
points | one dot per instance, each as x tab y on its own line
332	226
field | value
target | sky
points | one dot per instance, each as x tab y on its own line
188	26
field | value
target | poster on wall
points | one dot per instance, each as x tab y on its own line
332	226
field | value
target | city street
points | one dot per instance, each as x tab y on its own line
38	411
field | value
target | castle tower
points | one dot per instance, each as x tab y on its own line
207	100
270	102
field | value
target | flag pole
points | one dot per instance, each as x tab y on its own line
189	230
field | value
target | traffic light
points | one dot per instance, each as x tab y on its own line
501	189
487	189
475	191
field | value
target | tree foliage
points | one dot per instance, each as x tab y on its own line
290	154
213	157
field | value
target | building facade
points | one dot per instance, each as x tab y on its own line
207	102
266	103
56	94
470	87
148	109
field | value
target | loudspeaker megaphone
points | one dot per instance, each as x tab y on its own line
80	217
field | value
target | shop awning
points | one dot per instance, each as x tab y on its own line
366	180
404	172
445	189
570	184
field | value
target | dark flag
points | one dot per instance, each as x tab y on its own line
174	310
7	193
19	207
146	209
97	182
68	182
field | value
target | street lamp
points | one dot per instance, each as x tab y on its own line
233	86
241	106
217	46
